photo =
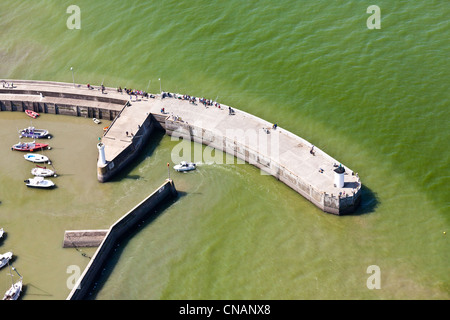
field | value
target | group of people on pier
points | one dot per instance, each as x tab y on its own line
132	92
7	85
101	87
204	101
188	97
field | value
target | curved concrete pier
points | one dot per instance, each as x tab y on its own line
318	177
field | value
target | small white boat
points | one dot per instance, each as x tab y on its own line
42	172
185	166
4	259
35	157
96	120
39	182
13	293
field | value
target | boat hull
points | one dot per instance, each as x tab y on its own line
29	147
32	114
34	133
185	167
40	187
4	259
39	182
37	158
42	172
13	293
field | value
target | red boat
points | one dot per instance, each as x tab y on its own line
32	114
29	146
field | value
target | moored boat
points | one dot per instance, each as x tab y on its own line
29	146
39	158
39	182
42	172
4	258
32	113
185	166
14	291
96	120
32	132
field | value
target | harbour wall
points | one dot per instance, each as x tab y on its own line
59	99
112	168
62	94
115	233
331	203
59	108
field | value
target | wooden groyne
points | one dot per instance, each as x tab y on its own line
116	232
324	181
83	238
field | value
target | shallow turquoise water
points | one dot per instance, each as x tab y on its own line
377	100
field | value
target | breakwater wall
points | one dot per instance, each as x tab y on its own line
116	232
311	176
72	108
128	148
328	202
60	98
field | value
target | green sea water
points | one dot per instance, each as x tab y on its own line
376	100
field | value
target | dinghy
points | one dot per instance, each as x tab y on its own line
96	120
39	182
36	157
185	166
32	114
42	172
4	259
29	146
33	133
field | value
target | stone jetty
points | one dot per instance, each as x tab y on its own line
328	184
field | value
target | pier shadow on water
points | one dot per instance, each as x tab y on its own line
369	202
147	150
121	244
